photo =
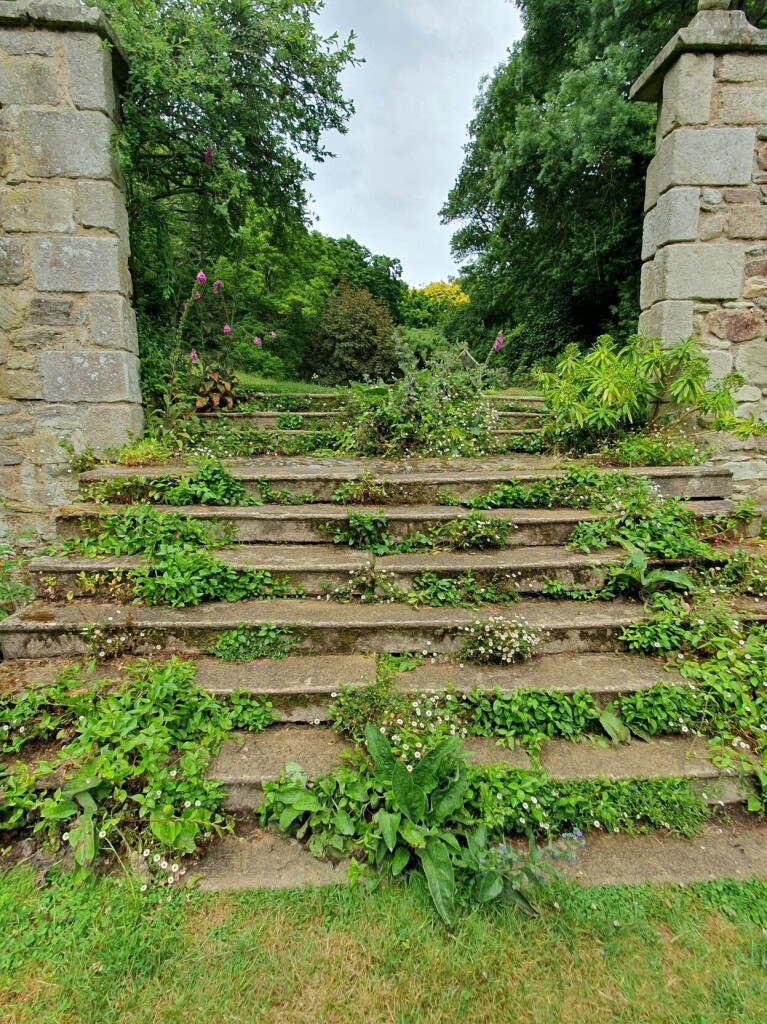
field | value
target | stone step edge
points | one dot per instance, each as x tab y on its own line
302	688
249	760
259	859
253	470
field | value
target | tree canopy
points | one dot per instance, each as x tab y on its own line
226	104
548	204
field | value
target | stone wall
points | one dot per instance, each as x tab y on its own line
68	347
705	231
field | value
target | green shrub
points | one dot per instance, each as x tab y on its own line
355	338
602	394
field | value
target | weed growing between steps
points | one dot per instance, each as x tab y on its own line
435	814
372	586
14	592
578	488
395	816
369	531
210	484
246	643
141	529
130	773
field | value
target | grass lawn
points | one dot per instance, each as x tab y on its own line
253	382
102	953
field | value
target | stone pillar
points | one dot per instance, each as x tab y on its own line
705	232
68	346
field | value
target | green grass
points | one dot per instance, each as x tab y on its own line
103	952
254	382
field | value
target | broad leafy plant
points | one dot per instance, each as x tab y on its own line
604	393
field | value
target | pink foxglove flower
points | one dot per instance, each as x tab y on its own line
208	155
498	343
201	278
217	286
257	341
197	296
272	334
226	329
193	357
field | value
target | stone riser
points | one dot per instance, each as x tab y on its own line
280	526
270	420
68	642
302	524
418	488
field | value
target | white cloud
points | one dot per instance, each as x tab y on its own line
414	97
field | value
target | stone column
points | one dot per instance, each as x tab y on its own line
68	346
705	230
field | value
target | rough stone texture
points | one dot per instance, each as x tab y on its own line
112	322
63	144
712	127
674	219
102	205
737	324
739	104
27	82
687	93
706	156
12	267
89	64
68	347
79	376
77	265
37	208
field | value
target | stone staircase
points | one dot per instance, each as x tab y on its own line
581	649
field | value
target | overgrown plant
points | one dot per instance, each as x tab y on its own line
609	391
132	768
248	643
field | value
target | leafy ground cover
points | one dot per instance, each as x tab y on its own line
103	951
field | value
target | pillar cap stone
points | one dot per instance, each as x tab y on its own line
65	14
714	29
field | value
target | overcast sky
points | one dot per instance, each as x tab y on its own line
414	98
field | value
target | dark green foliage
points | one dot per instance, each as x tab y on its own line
356	338
550	196
183	579
135	756
246	643
225	102
140	529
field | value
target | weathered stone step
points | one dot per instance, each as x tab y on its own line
258	859
419	482
251	759
41	631
302	524
603	675
269	420
319	569
301	688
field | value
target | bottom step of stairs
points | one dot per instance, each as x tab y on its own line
257	859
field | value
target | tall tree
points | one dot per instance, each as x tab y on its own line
548	203
227	102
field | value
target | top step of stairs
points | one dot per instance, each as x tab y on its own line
419	480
